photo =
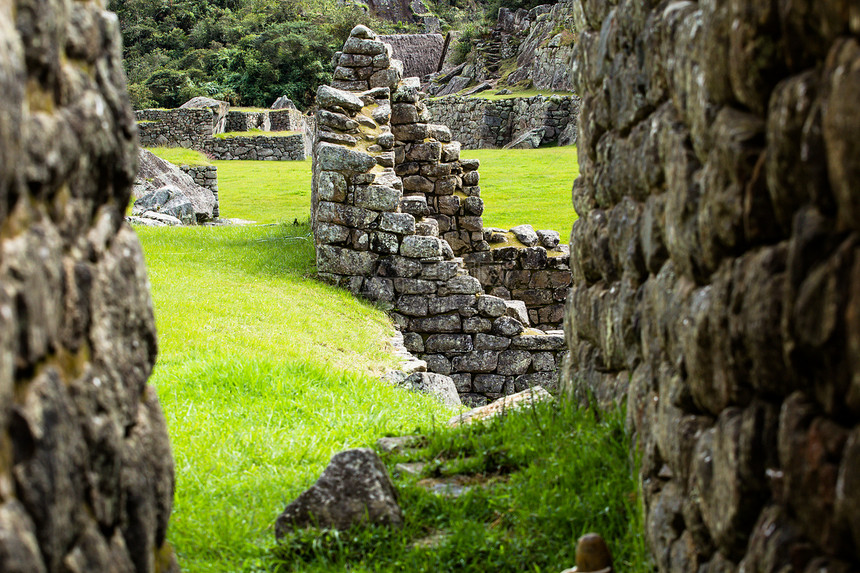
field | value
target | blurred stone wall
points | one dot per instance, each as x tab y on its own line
86	473
716	271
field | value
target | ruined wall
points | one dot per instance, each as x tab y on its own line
86	473
480	123
392	204
182	127
205	176
716	271
257	148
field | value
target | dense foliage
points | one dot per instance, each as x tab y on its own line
250	52
247	52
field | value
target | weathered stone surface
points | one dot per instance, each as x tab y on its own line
337	158
87	475
162	187
713	215
354	488
438	385
421	247
329	97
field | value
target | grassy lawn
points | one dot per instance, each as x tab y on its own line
528	186
265	191
180	155
264	373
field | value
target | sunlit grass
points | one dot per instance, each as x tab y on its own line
528	186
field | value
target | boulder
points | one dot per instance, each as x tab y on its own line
529	140
354	489
283	102
526	235
438	385
169	201
173	187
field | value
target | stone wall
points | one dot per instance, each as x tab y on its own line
481	123
180	127
392	205
537	275
716	272
205	176
265	120
257	148
86	472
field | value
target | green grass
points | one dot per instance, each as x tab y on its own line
263	374
255	133
551	474
180	156
528	186
265	191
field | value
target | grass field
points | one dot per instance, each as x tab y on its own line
528	186
264	373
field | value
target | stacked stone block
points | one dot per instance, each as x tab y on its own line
532	268
716	272
86	472
205	176
388	190
238	120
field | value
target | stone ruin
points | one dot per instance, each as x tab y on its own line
86	473
716	272
397	218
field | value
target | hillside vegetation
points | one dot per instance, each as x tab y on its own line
250	52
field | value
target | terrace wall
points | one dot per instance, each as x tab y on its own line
257	148
180	127
716	272
480	123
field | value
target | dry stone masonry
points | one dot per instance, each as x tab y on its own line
86	472
198	121
716	271
479	123
393	208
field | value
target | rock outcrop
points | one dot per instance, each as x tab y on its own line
716	271
421	54
86	473
163	187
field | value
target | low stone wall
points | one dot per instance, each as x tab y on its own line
182	127
257	148
537	276
288	120
480	123
247	120
205	176
391	204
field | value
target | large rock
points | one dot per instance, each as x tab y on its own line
437	385
354	489
219	110
160	182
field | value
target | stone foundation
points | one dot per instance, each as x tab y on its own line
205	176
